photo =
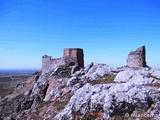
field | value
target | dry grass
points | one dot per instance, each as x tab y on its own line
152	76
90	116
61	105
153	85
6	91
104	80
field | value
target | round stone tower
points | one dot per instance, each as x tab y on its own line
76	53
137	58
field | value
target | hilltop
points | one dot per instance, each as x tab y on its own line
64	90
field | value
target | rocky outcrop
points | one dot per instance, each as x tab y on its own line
125	96
52	77
93	72
137	58
110	99
141	76
63	89
6	118
132	90
59	70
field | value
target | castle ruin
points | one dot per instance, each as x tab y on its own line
137	58
76	53
71	57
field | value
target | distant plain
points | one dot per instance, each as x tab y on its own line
10	78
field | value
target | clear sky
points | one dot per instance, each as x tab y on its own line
107	30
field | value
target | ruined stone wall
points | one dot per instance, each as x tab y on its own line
45	59
76	53
57	61
137	58
72	56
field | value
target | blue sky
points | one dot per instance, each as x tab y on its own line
107	30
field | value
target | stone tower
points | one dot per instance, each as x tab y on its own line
137	58
76	53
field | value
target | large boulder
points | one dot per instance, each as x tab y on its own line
143	76
95	71
50	74
125	96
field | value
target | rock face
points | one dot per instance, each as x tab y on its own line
125	96
112	99
54	74
63	67
141	76
86	92
137	58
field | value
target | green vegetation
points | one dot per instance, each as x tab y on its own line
106	79
110	77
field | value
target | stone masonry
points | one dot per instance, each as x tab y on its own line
76	53
137	58
71	56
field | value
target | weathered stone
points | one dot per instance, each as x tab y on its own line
72	81
52	67
26	104
94	71
76	53
112	99
71	57
137	58
7	118
140	76
87	91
